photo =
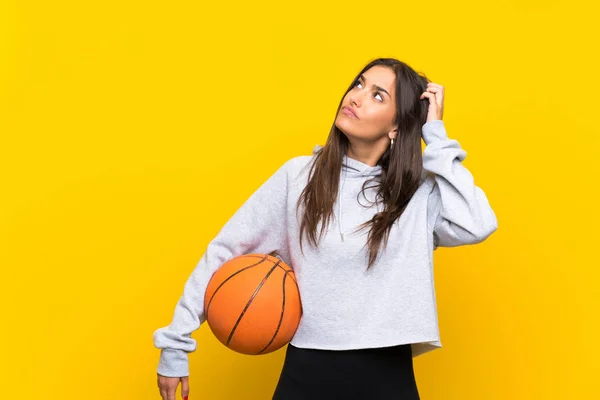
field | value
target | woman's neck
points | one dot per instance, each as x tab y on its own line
366	155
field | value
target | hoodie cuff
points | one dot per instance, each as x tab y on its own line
434	130
173	363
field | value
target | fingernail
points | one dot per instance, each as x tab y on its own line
185	398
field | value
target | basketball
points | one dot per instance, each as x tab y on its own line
252	304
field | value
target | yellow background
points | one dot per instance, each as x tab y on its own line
131	131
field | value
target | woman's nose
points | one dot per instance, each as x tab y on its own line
356	98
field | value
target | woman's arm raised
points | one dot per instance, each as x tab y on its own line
460	209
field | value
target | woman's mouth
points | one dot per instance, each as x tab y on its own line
348	112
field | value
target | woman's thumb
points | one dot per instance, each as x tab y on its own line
185	387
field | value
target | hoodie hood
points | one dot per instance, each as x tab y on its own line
351	168
354	167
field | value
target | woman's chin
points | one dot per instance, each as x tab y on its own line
344	124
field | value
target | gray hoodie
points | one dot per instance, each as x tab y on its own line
346	306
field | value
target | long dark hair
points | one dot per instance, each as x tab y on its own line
401	166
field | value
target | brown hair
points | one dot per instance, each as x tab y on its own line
401	166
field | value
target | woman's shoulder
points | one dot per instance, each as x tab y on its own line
298	163
296	167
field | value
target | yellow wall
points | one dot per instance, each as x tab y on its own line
131	131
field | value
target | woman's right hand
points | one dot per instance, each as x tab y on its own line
168	387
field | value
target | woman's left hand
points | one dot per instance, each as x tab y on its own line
435	94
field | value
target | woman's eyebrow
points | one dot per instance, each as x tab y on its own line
375	86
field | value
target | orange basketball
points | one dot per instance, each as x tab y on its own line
252	304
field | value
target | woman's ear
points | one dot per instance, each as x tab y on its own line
393	134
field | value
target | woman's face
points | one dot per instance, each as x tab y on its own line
372	100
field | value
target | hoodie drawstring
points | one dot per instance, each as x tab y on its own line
341	192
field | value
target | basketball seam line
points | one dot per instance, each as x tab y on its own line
228	278
250	301
280	317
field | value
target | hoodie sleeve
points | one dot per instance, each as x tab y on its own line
258	226
460	209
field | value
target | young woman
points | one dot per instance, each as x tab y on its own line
358	220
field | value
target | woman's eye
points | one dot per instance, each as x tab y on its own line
376	94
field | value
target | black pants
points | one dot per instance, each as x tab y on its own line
365	374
